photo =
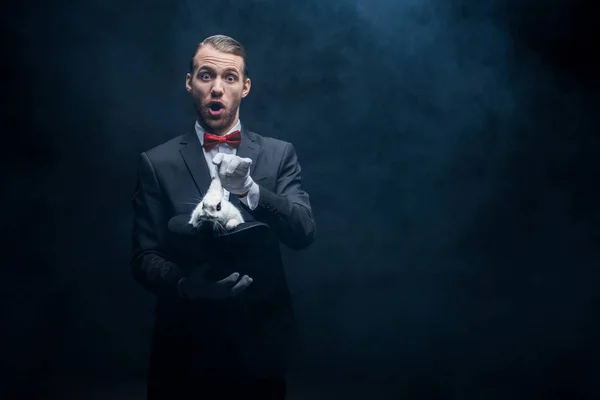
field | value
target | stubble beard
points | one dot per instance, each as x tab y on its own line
217	125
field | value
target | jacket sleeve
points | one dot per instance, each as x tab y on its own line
287	210
150	263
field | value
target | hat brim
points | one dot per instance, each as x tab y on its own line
247	232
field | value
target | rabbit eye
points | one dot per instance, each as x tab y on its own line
219	206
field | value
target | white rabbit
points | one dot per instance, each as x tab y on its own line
214	208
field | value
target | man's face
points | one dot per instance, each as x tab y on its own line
217	87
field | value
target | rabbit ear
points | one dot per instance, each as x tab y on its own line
215	186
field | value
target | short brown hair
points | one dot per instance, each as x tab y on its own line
225	44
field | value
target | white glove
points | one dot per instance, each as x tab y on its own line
234	173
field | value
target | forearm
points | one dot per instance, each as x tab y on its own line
157	274
292	220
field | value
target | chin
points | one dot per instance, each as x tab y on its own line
211	122
217	123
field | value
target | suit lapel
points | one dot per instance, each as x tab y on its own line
193	155
248	148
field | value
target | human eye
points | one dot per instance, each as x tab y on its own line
231	78
204	76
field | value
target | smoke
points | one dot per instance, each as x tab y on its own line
433	138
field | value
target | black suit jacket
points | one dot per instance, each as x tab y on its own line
193	335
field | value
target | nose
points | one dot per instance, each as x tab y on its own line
217	89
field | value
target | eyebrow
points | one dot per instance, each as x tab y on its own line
209	68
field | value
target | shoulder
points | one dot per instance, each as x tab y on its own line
169	147
167	151
271	144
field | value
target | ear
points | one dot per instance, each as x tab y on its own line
246	89
188	82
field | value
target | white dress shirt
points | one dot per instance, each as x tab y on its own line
251	199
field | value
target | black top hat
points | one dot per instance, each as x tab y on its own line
193	244
226	251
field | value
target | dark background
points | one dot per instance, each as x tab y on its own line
449	149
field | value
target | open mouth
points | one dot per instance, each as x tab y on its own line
215	109
216	106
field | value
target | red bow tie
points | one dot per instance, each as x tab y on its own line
233	139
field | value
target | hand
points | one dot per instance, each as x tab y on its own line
196	286
234	173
